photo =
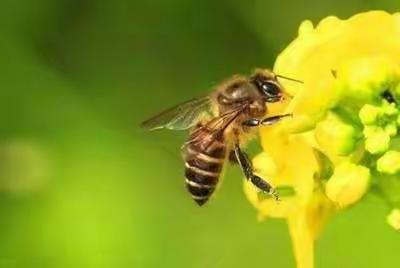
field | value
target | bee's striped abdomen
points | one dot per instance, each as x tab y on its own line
203	164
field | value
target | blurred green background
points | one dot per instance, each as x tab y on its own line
82	186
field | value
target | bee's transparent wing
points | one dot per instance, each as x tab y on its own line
215	127
181	116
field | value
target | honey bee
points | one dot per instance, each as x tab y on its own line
220	124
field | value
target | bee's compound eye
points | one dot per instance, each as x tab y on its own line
270	89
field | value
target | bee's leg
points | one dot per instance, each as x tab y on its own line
273	119
232	158
254	122
232	155
247	168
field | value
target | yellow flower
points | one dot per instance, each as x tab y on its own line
393	219
343	132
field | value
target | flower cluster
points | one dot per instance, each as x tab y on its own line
343	140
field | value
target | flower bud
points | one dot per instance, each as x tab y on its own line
369	114
377	142
393	219
389	109
391	129
389	163
335	136
348	184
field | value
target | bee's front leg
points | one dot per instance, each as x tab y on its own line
245	164
255	122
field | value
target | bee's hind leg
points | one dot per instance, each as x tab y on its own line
245	164
232	158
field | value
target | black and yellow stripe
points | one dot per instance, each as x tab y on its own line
202	169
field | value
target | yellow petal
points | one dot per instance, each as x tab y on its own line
302	240
336	46
285	163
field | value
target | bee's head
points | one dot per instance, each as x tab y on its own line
268	86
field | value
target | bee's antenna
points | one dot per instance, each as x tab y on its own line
288	78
